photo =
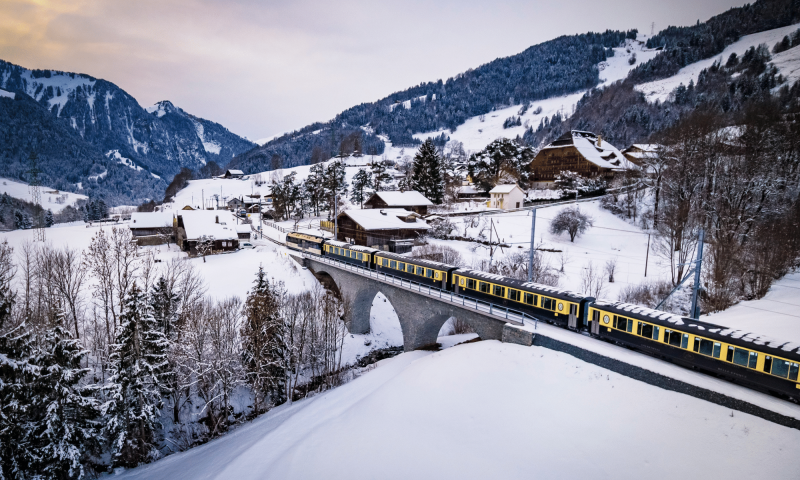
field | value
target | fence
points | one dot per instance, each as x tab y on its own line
326	225
487	308
276	227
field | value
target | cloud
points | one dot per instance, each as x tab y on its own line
261	67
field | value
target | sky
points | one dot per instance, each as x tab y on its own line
264	67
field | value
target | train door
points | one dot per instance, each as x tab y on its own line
595	323
572	323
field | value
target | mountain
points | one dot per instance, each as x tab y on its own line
96	117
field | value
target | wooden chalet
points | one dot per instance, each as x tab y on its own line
639	152
410	200
581	152
383	228
218	225
152	228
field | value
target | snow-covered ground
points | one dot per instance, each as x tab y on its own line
52	201
788	62
492	410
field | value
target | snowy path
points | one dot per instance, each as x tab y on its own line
493	410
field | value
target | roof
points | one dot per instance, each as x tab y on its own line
203	222
417	261
151	220
507	188
522	285
234	172
243	228
410	198
468	189
384	219
351	246
603	155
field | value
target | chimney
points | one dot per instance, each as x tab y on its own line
599	140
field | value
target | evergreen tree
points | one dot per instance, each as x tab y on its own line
502	161
314	187
19	220
137	363
380	178
427	176
335	183
264	343
48	218
164	305
65	428
361	181
17	374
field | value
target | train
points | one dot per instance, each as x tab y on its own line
752	361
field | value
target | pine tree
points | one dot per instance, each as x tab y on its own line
164	305
138	361
66	429
335	183
17	374
380	178
427	176
48	218
502	161
264	343
314	187
19	220
361	181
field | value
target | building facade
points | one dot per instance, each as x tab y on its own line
582	152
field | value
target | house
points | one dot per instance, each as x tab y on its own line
243	231
235	204
410	199
467	192
151	228
217	225
233	174
506	197
581	152
383	228
639	152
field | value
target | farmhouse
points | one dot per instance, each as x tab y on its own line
639	152
469	191
411	200
389	229
506	197
233	174
151	228
217	225
581	152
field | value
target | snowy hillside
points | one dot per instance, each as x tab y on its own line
492	410
479	131
50	200
788	62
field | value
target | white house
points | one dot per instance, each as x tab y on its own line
506	197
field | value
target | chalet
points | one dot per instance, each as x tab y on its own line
218	225
466	192
151	228
233	174
639	152
385	228
243	231
411	200
506	197
581	152
235	204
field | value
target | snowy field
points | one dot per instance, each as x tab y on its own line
492	410
788	63
50	201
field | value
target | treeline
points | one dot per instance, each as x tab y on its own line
108	359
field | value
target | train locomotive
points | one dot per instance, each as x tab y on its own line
749	360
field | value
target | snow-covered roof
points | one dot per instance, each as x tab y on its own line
590	146
403	199
243	228
385	219
645	147
204	222
506	188
151	219
234	172
469	189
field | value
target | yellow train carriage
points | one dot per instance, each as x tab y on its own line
348	253
422	271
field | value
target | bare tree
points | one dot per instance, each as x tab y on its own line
592	280
611	268
205	245
572	221
69	276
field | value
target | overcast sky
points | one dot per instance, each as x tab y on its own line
265	67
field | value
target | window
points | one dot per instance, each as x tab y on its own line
514	295
645	330
780	367
530	299
498	291
484	287
420	271
393	264
717	348
620	323
753	360
672	338
429	273
703	346
471	284
685	341
548	303
401	266
655	333
793	372
573	309
767	364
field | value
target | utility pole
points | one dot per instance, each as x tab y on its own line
697	268
203	199
335	217
647	255
36	197
533	237
491	245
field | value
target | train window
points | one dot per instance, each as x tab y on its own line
655	333
530	299
471	284
741	356
420	271
793	372
595	316
767	364
730	353
706	346
514	295
573	309
646	330
401	266
429	273
780	368
620	323
484	287
393	264
685	341
753	359
548	303
672	338
499	291
717	348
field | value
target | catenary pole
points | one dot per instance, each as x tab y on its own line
533	237
647	255
697	268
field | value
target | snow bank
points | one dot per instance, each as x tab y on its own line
492	410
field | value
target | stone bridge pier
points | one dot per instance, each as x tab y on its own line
421	317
